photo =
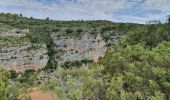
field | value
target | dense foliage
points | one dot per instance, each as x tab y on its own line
135	68
4	76
132	73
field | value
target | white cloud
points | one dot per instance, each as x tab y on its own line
131	10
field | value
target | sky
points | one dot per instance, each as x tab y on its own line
136	11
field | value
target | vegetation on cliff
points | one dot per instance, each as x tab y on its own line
136	67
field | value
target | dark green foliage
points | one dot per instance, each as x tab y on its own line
168	18
13	74
107	28
55	30
77	63
69	31
47	18
28	77
79	30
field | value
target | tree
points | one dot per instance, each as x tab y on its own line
168	18
47	18
31	18
154	22
4	76
20	15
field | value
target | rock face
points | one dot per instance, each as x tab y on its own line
87	47
22	54
13	32
26	54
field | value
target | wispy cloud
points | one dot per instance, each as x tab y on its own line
115	10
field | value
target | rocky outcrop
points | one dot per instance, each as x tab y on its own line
23	54
68	49
13	32
88	47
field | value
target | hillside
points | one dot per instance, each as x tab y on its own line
58	42
91	60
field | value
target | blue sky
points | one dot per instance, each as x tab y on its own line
138	11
